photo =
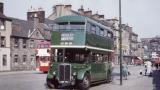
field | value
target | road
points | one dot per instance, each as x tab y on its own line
32	80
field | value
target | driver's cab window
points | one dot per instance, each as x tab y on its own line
60	57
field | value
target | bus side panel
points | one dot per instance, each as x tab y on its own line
56	37
98	41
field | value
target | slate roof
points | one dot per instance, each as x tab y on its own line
22	28
2	16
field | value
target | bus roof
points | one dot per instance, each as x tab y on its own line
72	18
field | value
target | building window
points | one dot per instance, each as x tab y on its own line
3	42
32	59
16	42
4	60
31	43
15	58
24	58
2	24
37	34
46	46
24	43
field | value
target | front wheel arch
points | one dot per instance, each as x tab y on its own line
81	74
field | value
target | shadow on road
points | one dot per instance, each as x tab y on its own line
156	79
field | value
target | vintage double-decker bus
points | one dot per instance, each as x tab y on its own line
83	51
43	56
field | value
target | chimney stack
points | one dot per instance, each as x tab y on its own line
88	13
68	7
62	10
39	14
95	16
1	7
81	10
101	17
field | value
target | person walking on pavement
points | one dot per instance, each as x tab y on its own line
148	67
124	70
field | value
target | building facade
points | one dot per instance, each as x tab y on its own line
134	46
126	49
24	39
151	47
5	32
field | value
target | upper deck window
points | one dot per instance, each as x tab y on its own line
63	25
77	25
93	29
110	34
101	32
71	25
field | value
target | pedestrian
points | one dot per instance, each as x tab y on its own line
148	67
124	70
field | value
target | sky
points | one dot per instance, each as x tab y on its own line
142	15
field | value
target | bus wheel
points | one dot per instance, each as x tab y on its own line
85	83
52	85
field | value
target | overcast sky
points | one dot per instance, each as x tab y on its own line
142	15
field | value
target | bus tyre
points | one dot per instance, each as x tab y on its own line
52	85
85	83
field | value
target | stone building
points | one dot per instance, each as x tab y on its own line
134	45
151	47
140	50
5	32
126	43
24	38
146	47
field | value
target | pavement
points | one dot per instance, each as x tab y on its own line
135	81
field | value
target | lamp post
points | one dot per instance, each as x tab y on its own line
120	42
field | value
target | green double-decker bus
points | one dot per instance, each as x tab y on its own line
82	49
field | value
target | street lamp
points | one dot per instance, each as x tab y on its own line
120	42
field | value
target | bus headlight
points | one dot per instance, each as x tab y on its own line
54	73
74	74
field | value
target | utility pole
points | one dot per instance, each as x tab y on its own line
120	41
